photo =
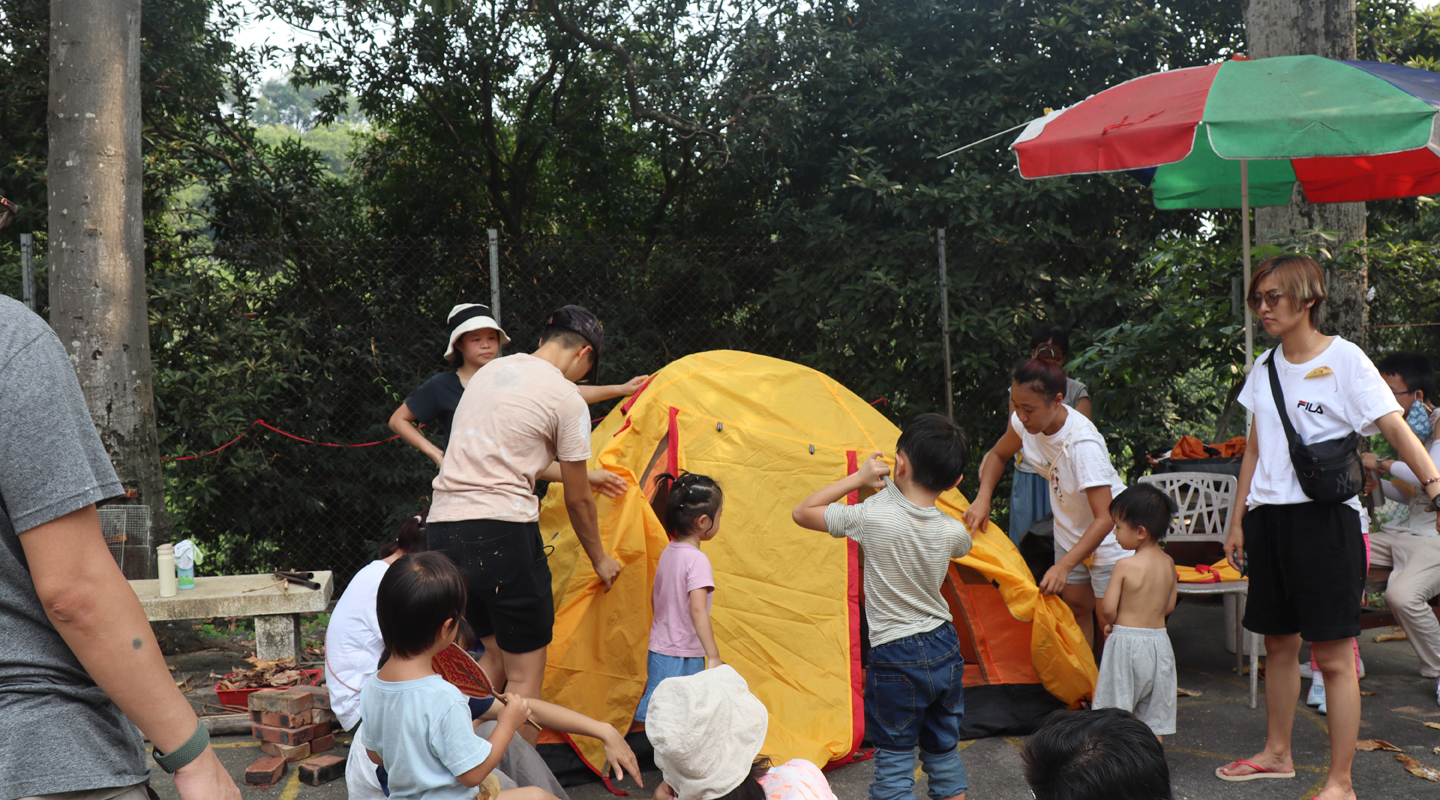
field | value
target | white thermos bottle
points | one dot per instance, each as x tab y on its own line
165	563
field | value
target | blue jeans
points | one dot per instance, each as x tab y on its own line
915	695
1029	503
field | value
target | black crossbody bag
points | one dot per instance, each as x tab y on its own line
1329	471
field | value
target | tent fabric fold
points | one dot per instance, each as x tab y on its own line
787	606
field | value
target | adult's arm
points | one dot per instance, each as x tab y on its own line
1099	498
580	505
1410	451
96	612
1235	542
403	422
596	394
602	481
992	468
1084	406
560	718
1403	471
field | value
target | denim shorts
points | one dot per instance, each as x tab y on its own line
658	667
914	692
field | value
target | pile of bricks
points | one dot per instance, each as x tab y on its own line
293	725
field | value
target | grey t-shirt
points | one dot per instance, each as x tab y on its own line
907	553
61	732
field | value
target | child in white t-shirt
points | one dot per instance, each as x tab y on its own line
417	725
1064	447
682	639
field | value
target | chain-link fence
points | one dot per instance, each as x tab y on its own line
279	363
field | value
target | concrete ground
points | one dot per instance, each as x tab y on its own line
1215	728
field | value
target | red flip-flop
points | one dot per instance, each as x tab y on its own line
1260	772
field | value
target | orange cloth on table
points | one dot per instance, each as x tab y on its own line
1191	447
1208	573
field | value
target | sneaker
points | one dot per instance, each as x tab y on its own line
1305	671
1437	692
1317	693
1321	709
1359	667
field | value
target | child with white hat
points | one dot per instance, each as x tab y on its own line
707	730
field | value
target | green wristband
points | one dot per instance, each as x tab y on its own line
185	753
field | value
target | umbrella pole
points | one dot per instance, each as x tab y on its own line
1245	241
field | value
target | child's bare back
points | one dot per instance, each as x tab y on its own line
1144	586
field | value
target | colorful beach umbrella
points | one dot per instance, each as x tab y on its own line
1244	133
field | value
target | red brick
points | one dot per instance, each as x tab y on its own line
320	696
285	701
321	769
323	715
289	752
322	743
265	771
276	719
269	733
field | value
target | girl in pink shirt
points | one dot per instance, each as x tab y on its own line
681	638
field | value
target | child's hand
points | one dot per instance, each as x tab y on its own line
516	710
1109	629
873	471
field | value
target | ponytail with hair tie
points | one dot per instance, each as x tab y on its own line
681	500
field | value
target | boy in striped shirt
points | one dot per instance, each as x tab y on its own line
913	687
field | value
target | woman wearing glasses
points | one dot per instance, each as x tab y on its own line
1306	558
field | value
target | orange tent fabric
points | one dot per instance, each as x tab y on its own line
787	606
1191	447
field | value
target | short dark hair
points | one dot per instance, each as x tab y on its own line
1413	368
1145	506
418	593
937	450
681	500
1053	334
1106	754
1044	376
750	788
566	338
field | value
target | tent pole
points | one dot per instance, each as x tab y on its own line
1245	242
945	321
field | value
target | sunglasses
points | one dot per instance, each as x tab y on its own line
8	210
1270	298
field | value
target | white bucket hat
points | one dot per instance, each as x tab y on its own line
468	317
707	729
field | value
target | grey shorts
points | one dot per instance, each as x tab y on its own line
1097	576
1137	673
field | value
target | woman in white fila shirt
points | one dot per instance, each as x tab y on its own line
1306	560
1064	448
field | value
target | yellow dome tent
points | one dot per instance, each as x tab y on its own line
787	605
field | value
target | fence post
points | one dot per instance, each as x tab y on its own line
495	275
945	321
27	270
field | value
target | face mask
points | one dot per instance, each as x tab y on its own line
1419	420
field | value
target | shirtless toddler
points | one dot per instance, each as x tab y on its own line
1137	671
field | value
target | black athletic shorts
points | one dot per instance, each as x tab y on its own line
509	577
1306	564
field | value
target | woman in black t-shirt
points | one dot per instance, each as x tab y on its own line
475	340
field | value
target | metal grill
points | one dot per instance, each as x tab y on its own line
126	528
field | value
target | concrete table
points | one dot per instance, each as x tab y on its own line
276	610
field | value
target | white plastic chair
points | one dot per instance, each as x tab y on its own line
1204	501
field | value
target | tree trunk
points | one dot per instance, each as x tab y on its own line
97	247
1322	28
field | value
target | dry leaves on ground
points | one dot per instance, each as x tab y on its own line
282	672
1435	725
1395	635
1367	694
1183	692
1367	745
1417	769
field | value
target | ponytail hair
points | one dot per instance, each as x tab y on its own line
1044	376
680	501
413	537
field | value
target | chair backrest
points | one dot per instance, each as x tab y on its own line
1204	500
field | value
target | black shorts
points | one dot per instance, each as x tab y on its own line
509	577
1306	564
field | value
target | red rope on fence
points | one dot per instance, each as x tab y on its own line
262	423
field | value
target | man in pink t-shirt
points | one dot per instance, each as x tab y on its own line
519	415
